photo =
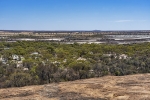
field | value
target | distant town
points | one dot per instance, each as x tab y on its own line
70	37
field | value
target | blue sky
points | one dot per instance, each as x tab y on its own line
74	14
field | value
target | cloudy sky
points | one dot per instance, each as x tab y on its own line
74	14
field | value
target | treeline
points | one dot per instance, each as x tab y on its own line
56	62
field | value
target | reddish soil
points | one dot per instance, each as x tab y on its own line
131	87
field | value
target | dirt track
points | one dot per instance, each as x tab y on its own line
132	87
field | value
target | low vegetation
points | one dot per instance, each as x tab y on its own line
29	63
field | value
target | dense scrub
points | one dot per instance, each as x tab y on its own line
44	62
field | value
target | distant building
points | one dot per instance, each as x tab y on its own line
19	64
80	58
25	69
15	57
35	53
123	56
3	60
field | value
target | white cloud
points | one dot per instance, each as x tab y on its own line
122	21
143	20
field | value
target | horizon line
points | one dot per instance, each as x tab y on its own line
72	30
